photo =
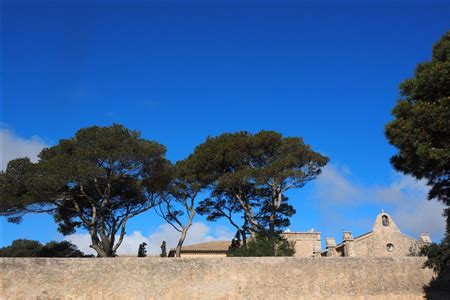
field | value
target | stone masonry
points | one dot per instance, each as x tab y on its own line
213	278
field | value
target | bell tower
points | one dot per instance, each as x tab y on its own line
384	223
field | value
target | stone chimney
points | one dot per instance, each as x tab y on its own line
330	246
425	238
349	247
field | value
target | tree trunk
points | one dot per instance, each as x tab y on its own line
276	203
180	242
102	247
243	237
184	233
98	247
272	223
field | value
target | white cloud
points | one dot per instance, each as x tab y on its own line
198	233
405	198
13	146
333	185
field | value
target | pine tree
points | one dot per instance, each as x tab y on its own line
142	252
163	249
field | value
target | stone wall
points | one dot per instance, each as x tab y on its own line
203	255
213	278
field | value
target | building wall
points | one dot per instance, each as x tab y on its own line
306	243
385	240
218	278
375	244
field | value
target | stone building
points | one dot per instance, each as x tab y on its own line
307	244
385	239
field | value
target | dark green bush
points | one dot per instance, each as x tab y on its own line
262	246
30	248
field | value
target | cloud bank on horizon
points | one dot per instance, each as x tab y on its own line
336	190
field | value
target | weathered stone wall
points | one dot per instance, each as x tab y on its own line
213	278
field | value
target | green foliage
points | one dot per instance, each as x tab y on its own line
60	249
281	217
235	244
103	176
263	246
421	132
439	260
163	249
97	181
285	248
438	255
421	126
142	252
22	248
30	248
249	174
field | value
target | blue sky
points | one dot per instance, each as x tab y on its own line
181	71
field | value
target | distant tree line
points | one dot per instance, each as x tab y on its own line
31	248
104	176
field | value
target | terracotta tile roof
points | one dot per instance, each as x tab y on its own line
213	246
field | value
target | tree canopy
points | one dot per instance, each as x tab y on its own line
421	126
96	181
249	175
30	248
103	176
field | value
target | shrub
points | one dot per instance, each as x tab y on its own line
262	246
30	248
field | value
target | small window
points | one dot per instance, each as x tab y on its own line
385	220
390	247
